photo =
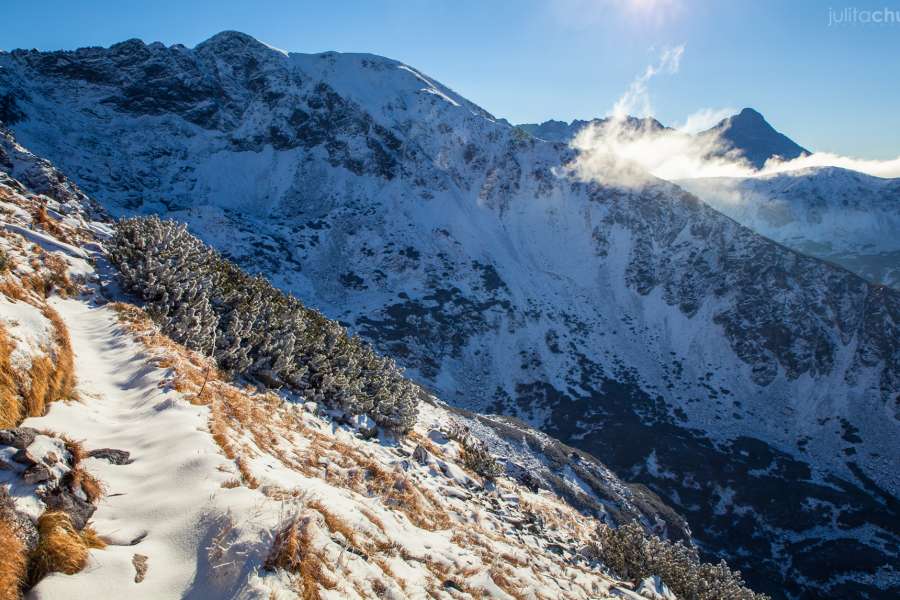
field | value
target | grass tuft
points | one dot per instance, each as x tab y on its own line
13	560
61	548
11	409
292	551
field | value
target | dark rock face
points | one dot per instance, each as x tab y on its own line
753	138
739	380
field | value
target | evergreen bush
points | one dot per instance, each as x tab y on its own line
207	303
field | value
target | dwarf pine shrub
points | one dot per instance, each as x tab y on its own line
633	555
475	454
207	303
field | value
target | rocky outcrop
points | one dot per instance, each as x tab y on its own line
45	466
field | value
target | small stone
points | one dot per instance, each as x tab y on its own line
36	474
24	457
140	567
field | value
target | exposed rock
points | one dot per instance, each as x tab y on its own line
37	473
653	320
19	437
23	526
62	498
24	457
116	457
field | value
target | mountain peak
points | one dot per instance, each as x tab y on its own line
754	138
230	41
750	114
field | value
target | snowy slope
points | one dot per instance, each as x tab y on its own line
200	476
720	368
842	216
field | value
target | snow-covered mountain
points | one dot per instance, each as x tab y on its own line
754	387
131	466
842	216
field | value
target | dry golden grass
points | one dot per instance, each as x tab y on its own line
61	548
13	561
51	377
336	524
52	226
509	586
74	447
246	475
292	551
91	538
89	484
57	276
11	409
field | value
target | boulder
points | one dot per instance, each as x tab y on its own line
18	437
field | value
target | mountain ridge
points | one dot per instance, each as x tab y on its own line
435	231
744	136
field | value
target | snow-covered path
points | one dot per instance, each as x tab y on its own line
167	498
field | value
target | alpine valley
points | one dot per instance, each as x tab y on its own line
752	385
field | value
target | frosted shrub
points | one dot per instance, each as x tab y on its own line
633	555
475	454
207	303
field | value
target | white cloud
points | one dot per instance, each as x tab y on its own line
704	118
623	152
618	152
636	99
878	168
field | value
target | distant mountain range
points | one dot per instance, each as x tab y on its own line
753	387
842	216
746	135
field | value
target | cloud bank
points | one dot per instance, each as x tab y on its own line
627	151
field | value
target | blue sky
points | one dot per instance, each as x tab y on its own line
831	88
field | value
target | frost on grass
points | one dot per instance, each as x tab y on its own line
633	555
36	360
